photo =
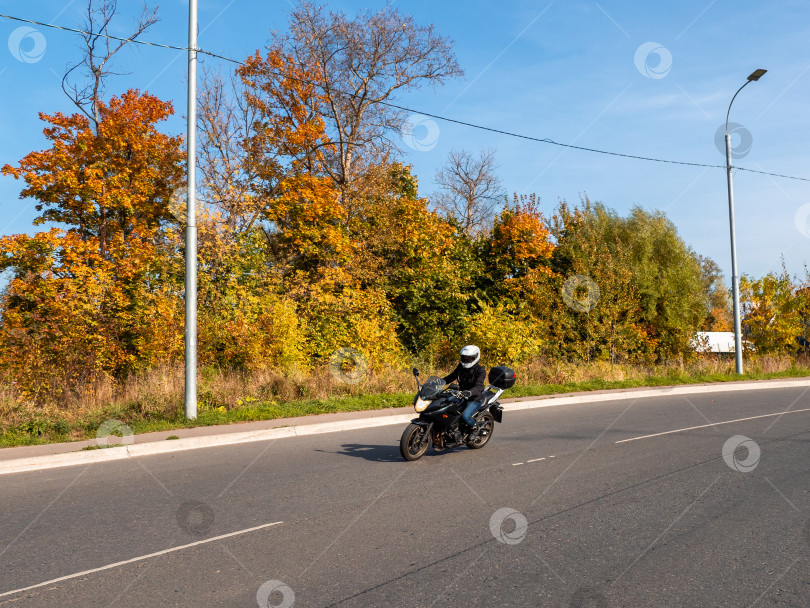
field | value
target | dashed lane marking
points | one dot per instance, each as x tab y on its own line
703	426
137	559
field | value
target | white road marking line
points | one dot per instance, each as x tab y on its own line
516	464
703	426
787	500
779	578
536	460
138	559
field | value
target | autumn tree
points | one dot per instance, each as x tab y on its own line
718	298
429	286
359	64
287	146
299	149
101	292
513	259
266	223
772	310
306	224
85	82
108	181
519	243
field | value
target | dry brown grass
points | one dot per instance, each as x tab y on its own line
564	372
157	394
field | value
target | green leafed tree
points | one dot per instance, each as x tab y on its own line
668	276
594	306
425	267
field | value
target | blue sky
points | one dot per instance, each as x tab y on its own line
576	72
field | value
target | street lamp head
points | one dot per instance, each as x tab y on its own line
756	75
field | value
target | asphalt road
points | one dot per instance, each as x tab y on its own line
553	512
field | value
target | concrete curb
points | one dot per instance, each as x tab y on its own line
690	389
36	463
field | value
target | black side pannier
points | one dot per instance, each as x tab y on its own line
502	377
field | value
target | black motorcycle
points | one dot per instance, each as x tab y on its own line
440	407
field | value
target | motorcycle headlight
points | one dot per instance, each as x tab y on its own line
420	405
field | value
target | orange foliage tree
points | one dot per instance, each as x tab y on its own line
515	275
520	246
309	253
100	295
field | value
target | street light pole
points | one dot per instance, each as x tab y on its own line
191	221
735	279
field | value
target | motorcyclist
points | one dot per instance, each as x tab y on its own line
470	376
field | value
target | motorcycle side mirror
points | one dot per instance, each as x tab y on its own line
416	377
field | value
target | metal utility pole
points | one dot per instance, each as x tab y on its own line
735	279
191	221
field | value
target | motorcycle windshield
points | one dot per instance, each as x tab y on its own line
431	388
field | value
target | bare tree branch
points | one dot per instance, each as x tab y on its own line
470	190
370	57
228	164
92	71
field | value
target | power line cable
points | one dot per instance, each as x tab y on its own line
556	143
132	40
99	35
413	111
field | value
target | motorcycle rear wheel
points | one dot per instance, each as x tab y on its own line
486	424
414	442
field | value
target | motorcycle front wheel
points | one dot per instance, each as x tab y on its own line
486	424
414	442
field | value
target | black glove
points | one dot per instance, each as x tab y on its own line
466	394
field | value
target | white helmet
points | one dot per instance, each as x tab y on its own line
470	355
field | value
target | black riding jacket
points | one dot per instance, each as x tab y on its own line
469	379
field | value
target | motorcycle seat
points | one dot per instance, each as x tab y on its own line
485	398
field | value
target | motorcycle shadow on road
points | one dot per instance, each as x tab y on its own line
374	453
